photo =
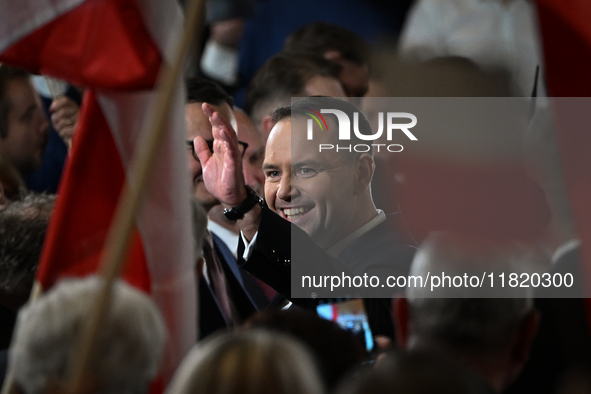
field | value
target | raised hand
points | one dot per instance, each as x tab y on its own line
64	115
222	169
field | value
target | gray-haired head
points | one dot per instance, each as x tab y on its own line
282	77
130	343
248	362
458	313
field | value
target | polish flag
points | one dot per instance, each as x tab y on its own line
115	48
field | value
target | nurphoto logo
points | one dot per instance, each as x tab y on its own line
392	124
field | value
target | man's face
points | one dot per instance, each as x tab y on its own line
27	133
198	125
252	161
312	189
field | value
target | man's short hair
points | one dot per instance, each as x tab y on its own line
321	37
301	109
6	74
284	76
201	90
23	225
130	343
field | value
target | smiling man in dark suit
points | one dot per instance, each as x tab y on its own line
335	227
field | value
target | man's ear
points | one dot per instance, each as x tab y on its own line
365	169
267	124
401	321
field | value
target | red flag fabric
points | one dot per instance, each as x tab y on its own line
102	44
107	178
115	48
566	37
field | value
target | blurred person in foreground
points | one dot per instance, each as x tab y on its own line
489	336
337	352
249	362
130	343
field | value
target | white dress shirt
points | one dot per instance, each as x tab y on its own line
491	33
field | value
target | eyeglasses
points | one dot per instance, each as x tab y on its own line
242	146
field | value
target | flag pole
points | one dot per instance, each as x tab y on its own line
113	257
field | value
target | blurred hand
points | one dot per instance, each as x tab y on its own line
222	169
64	116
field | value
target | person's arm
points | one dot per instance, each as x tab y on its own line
222	170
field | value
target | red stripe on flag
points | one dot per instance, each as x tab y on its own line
88	196
107	46
101	43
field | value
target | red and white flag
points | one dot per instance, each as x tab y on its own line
115	48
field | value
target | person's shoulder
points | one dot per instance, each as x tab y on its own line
389	244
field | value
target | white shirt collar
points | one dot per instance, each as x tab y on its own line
344	243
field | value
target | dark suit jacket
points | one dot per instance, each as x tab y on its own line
385	250
563	340
210	317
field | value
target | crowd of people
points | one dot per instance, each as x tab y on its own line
270	205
